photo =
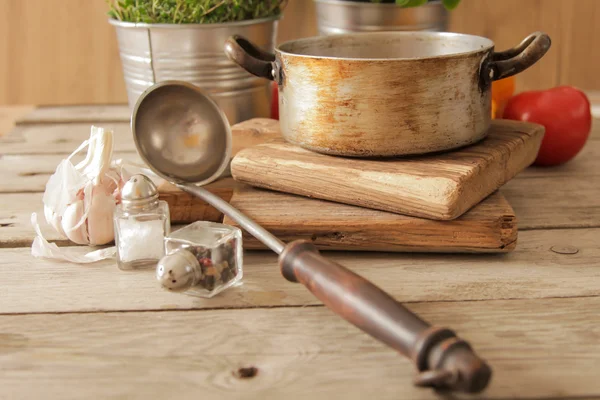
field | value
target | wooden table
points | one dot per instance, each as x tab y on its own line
92	331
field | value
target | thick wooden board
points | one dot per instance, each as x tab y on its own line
442	186
533	270
491	226
537	349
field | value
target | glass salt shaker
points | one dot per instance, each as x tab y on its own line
141	222
203	259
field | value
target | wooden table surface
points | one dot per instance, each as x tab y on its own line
93	331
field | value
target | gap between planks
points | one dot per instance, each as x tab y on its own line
276	307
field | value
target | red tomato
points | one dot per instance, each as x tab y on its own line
274	101
566	114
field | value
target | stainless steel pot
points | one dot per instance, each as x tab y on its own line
386	93
342	16
152	53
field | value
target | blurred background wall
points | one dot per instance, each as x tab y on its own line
65	52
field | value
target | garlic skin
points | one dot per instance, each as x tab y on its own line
83	197
54	220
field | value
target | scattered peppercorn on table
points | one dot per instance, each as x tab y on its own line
93	331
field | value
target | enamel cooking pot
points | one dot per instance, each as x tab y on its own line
386	93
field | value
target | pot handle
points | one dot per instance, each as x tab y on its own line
250	57
512	61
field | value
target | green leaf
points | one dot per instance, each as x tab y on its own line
450	4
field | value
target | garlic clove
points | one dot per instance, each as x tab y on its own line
70	219
100	217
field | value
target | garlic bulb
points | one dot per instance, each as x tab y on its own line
79	201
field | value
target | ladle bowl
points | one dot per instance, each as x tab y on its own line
181	133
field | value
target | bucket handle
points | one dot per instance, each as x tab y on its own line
517	59
250	57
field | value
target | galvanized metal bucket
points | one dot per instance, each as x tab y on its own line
151	53
341	16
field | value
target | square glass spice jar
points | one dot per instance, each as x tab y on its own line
202	259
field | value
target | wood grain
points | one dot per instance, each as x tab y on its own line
549	202
579	38
185	208
533	270
441	186
59	52
61	138
491	226
77	114
30	173
507	27
542	349
571	25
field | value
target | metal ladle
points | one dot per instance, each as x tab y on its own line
185	138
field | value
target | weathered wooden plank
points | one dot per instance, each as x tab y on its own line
489	227
551	202
93	114
440	186
537	349
60	138
586	163
533	270
30	172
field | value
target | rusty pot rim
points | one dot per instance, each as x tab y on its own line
486	45
125	24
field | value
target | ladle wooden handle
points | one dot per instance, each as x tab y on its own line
443	359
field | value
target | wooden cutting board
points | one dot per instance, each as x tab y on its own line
440	186
490	226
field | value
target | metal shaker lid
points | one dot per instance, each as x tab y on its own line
178	271
139	191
